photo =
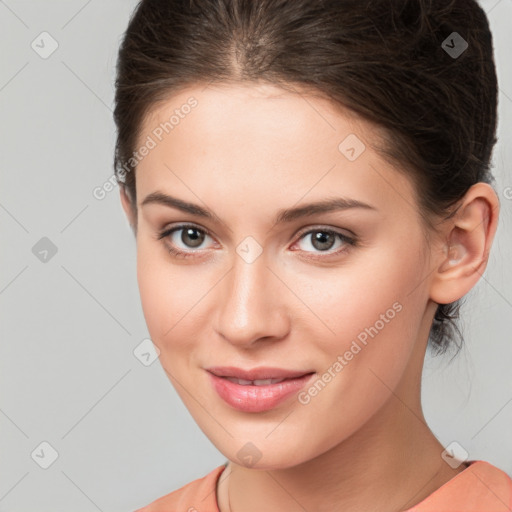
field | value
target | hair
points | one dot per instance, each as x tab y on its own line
386	61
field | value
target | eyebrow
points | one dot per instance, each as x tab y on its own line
284	215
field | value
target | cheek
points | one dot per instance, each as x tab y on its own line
373	310
171	298
353	297
162	293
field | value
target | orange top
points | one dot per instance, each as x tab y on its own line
481	487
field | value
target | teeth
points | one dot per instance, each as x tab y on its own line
263	382
257	382
243	382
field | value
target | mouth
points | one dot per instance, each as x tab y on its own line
256	382
259	389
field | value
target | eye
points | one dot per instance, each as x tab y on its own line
323	239
191	237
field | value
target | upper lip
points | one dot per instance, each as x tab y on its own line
259	373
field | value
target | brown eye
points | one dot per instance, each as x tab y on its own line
322	240
192	237
180	240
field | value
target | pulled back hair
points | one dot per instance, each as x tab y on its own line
385	60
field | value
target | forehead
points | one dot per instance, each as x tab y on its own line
224	107
267	140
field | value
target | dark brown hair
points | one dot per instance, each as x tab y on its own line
392	62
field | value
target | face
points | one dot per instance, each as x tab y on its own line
333	300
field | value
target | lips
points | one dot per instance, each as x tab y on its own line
256	390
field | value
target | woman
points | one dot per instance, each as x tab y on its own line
309	187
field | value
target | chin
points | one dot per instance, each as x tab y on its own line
266	455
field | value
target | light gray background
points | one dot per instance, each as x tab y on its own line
69	326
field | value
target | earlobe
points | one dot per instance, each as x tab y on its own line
469	236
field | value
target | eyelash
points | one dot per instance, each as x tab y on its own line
351	241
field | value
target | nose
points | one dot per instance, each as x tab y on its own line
252	303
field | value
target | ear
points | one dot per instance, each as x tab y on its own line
467	242
128	208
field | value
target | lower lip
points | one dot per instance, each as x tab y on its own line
257	398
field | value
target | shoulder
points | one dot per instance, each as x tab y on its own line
480	487
198	495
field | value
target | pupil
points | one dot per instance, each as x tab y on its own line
196	240
321	236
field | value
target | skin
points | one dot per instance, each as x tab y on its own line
245	152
